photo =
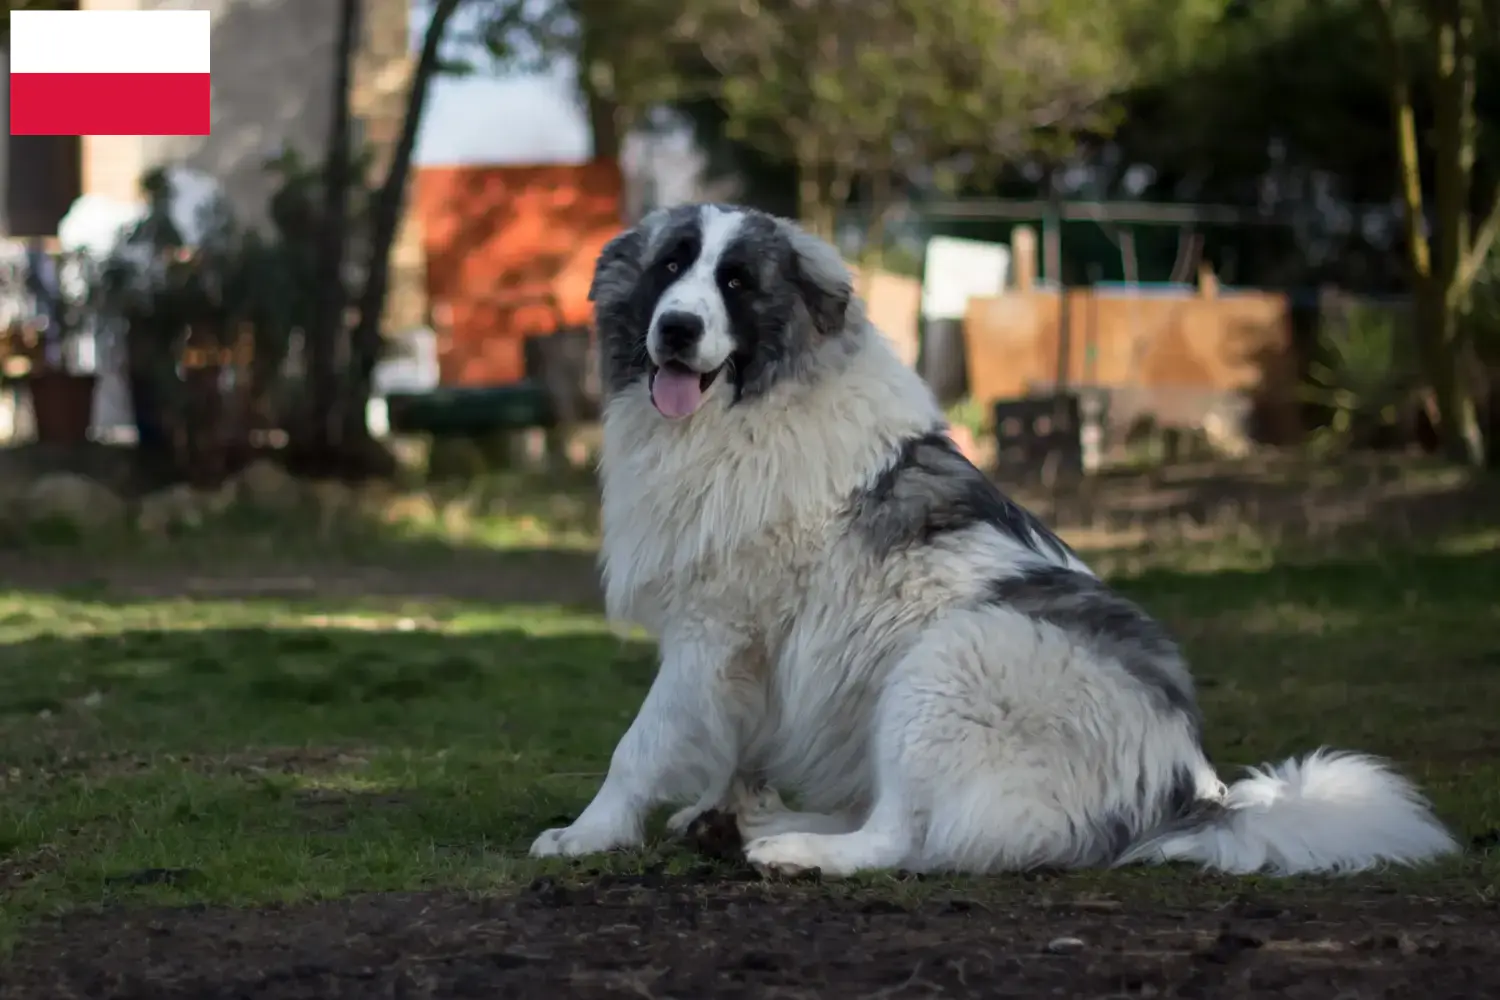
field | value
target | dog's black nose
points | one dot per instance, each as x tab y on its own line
679	333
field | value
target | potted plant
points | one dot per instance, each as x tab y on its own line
207	316
62	399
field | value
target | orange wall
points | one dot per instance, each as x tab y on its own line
499	239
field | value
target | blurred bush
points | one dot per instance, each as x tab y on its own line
1364	373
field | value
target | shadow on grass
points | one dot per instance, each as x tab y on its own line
518	538
538	683
1390	654
504	539
150	751
366	655
1396	656
299	566
1389	577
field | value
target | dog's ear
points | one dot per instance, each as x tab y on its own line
821	277
618	267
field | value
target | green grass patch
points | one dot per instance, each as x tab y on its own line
271	750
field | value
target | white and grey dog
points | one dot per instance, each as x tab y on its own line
849	611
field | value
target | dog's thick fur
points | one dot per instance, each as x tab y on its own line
851	612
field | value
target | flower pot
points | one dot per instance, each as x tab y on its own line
63	406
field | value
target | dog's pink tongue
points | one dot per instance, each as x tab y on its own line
676	393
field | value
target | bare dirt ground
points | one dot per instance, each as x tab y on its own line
711	936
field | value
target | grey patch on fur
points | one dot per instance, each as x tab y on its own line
1120	632
1098	841
787	315
1115	628
1105	839
1197	814
931	489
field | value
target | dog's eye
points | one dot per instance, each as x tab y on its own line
735	283
671	267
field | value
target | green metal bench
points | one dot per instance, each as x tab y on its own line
474	426
472	411
558	388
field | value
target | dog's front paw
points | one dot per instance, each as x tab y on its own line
788	854
577	840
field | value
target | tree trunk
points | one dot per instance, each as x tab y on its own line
872	246
1461	434
1453	154
604	124
603	108
840	186
1408	149
385	220
882	197
1441	265
812	205
318	420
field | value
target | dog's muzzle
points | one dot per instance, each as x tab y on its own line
678	382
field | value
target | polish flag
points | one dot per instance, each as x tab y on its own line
109	72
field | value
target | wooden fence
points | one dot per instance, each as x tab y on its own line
1177	353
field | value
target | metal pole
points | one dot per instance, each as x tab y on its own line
1120	213
1060	430
1055	273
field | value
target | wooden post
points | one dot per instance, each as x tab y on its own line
1052	237
1023	257
1208	282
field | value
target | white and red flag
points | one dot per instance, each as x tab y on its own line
110	72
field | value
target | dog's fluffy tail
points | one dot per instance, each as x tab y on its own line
1329	812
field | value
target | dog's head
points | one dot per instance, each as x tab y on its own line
705	300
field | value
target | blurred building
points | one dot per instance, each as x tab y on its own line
514	203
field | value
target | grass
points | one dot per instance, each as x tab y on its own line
248	751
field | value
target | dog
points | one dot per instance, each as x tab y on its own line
850	611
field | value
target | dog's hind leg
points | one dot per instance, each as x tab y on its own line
885	840
968	777
759	812
786	843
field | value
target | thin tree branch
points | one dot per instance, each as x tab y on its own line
1479	250
1407	149
385	212
328	328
